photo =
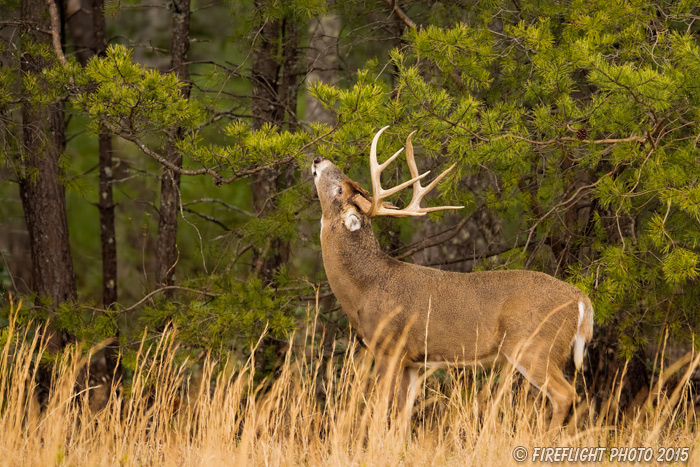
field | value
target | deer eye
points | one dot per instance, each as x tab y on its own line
340	191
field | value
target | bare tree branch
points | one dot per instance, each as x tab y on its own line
487	254
56	31
208	218
221	202
400	13
571	199
163	289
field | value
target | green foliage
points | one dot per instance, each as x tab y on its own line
461	49
296	9
246	147
590	101
86	325
236	319
130	99
578	120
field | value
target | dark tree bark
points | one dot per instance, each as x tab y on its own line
106	199
275	91
266	107
290	72
107	233
166	249
39	175
86	24
43	194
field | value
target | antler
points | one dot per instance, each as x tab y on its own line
379	208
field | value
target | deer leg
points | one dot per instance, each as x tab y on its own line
562	395
401	384
408	390
387	378
550	380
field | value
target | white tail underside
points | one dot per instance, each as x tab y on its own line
584	329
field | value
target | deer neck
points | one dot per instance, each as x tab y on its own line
353	261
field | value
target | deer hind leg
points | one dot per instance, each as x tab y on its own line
562	395
548	378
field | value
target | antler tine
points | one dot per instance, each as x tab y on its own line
413	168
378	193
418	190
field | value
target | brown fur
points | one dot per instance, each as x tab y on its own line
529	318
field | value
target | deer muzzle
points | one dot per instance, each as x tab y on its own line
318	165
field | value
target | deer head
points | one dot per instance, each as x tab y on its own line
344	198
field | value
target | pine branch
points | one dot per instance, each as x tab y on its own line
549	142
411	24
155	292
218	178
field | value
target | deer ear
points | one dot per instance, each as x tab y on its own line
352	220
362	203
352	184
360	198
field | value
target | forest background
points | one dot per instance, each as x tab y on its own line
154	164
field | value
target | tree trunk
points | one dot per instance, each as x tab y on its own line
274	95
106	201
324	63
107	234
87	28
166	249
43	194
86	24
266	108
39	175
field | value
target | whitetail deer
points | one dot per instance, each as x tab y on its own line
528	318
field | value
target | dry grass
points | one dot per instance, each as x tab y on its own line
315	411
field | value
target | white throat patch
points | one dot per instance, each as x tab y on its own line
352	220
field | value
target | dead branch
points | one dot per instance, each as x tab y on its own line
55	31
400	13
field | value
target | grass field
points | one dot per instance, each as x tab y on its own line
314	411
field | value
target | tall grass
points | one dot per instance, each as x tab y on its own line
316	410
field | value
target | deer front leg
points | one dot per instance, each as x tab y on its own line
408	390
400	384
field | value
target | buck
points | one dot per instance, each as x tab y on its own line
527	318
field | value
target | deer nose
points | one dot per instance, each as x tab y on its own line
318	160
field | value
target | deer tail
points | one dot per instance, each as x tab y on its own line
584	330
